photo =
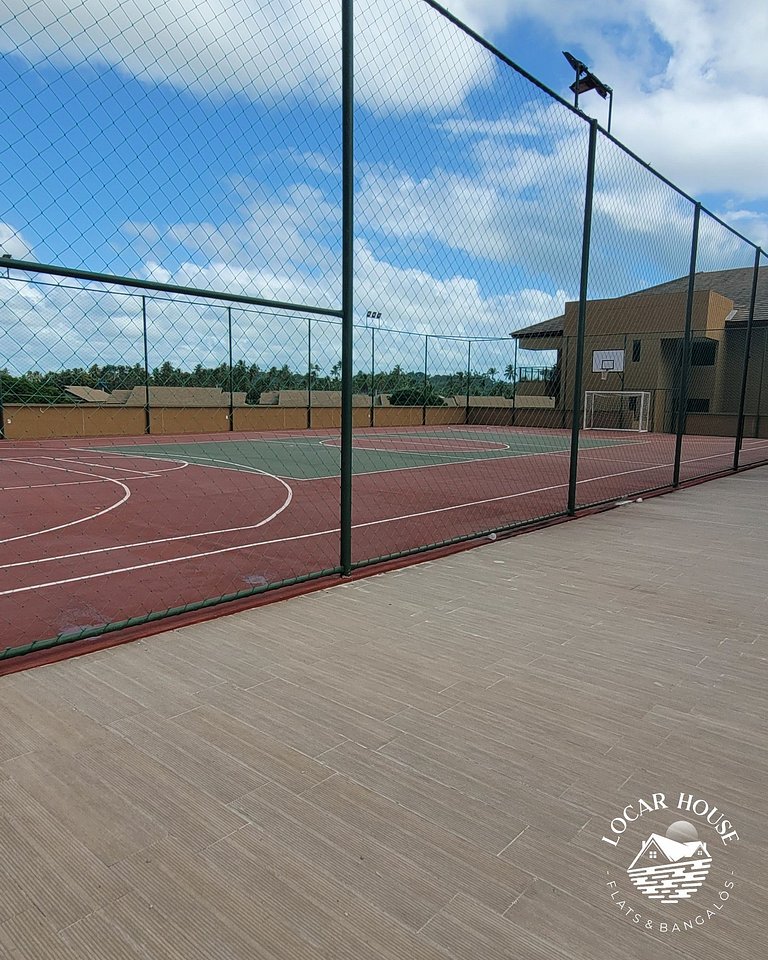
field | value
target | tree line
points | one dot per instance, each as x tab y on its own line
253	380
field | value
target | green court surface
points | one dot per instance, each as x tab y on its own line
316	456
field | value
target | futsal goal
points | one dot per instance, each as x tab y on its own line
617	410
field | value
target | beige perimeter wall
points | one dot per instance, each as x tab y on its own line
42	422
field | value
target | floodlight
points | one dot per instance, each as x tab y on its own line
577	65
590	82
586	81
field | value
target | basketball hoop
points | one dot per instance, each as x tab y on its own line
607	361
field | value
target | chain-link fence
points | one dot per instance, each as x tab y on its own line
294	290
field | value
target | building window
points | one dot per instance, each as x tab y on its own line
635	351
652	855
697	405
703	353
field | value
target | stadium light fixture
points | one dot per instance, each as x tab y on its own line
586	81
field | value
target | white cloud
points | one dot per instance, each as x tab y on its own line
70	324
708	141
752	223
499	208
511	218
690	80
13	243
265	50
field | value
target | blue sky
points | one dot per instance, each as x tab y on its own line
199	143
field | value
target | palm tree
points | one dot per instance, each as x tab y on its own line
509	372
492	371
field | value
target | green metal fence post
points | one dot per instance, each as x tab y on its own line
756	429
685	366
469	379
231	373
578	374
147	408
347	277
309	373
745	369
2	404
426	380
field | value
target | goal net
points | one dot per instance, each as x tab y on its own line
617	410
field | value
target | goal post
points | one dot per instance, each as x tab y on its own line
617	410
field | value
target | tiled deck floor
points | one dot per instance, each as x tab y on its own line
417	765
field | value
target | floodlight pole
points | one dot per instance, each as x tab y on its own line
373	317
373	376
610	107
579	72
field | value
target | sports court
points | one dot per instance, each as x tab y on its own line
102	531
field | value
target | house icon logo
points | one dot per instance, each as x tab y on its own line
680	875
673	867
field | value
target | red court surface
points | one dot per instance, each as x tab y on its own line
94	535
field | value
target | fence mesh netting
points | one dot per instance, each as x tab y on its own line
539	322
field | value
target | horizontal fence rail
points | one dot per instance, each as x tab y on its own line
334	288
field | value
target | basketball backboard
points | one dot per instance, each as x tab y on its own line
607	361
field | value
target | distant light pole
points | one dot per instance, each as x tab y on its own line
374	320
585	81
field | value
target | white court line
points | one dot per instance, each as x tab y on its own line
336	445
311	441
607	445
184	536
179	462
321	533
71	523
361	436
77	483
107	466
142	474
453	463
98	466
